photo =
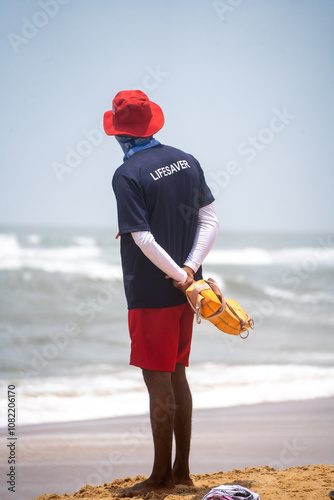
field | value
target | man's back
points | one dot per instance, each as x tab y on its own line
161	190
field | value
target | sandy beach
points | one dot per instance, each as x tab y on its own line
269	447
313	482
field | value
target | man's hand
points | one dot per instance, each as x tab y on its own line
190	280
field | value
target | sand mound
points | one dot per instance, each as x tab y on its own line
311	481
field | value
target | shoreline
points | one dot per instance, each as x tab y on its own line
63	457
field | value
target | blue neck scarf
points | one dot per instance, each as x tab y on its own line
131	145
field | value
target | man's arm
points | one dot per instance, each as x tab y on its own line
153	251
206	232
207	228
205	236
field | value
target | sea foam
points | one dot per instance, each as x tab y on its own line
84	258
107	391
264	257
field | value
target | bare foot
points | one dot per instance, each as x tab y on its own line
181	476
183	480
147	486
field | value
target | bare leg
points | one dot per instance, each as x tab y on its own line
182	425
162	409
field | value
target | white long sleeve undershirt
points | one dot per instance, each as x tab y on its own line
206	233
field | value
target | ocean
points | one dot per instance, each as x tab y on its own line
63	324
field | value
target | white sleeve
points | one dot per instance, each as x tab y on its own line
206	233
153	251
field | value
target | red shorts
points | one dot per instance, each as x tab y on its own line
160	338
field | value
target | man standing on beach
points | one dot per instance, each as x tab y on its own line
167	226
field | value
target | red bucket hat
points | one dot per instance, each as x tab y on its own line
133	114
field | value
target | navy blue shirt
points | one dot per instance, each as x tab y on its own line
159	189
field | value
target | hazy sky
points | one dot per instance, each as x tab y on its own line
246	86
